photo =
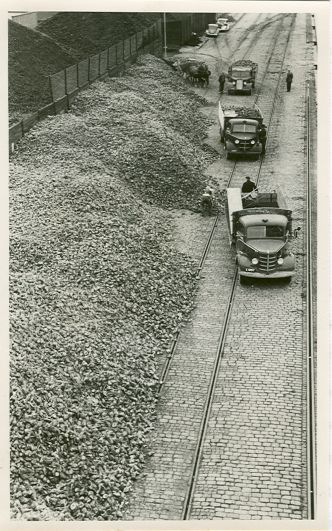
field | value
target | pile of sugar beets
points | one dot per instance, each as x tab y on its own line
97	287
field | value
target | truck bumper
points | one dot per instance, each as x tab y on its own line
233	90
247	150
250	153
245	153
275	274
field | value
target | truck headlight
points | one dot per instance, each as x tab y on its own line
234	82
244	82
280	261
236	141
252	142
254	261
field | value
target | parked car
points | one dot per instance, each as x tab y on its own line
212	31
223	24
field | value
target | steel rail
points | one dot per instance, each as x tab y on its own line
311	413
220	58
276	92
210	394
171	353
274	43
174	342
208	404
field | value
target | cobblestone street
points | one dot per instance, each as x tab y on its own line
253	460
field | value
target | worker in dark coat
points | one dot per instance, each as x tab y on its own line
289	79
262	137
208	199
221	82
248	186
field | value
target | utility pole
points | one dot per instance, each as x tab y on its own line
165	43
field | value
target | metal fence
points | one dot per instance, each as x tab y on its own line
65	85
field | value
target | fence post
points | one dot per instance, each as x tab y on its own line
108	58
89	69
66	92
99	65
50	86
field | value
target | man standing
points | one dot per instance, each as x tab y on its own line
221	82
262	137
207	199
289	79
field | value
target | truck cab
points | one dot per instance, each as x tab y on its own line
260	234
242	138
241	77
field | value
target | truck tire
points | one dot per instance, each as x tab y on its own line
228	155
221	137
243	280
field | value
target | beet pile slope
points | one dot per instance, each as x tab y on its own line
58	42
96	288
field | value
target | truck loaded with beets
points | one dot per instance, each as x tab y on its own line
240	129
241	76
260	230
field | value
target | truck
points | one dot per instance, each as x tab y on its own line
260	230
241	77
240	130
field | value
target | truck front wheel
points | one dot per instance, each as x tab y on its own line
243	280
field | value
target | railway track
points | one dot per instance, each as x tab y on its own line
311	409
209	401
211	235
192	507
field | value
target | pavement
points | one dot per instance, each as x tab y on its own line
254	455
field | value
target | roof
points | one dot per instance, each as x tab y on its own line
256	219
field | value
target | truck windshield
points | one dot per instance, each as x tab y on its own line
241	74
264	231
243	128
